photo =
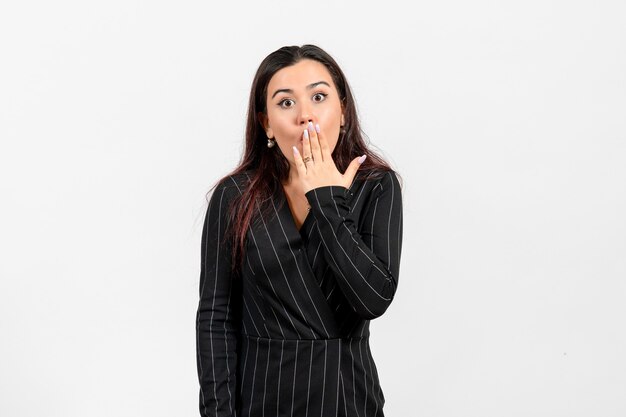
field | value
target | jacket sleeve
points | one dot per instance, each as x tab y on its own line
366	261
217	318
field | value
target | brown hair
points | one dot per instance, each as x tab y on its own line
268	168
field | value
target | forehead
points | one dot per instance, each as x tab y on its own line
299	75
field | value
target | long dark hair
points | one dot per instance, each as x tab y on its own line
267	167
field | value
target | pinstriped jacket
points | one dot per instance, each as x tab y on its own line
289	336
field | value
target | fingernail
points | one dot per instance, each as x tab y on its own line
362	159
306	133
295	150
317	128
311	125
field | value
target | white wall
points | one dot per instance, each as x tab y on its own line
507	121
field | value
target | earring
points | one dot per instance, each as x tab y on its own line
270	143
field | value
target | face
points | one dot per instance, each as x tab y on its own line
296	95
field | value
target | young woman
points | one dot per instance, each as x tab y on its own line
300	250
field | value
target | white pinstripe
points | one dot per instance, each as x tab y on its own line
245	364
253	377
345	403
316	252
389	224
373	222
338	373
267	366
219	218
245	304
324	379
353	382
280	370
230	396
295	366
371	372
308	389
364	374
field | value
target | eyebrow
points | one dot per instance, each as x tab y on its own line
290	91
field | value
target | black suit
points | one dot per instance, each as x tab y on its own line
290	335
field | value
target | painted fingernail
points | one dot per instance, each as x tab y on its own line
306	133
311	125
317	128
362	159
295	150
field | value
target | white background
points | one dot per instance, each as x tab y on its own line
506	120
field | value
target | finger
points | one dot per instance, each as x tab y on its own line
306	146
352	169
324	148
298	160
315	144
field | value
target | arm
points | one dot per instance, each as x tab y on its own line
216	319
366	263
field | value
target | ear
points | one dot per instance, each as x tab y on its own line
264	122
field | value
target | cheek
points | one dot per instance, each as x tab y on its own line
333	139
279	124
332	116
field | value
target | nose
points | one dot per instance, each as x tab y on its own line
305	115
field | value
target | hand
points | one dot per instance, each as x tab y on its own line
320	170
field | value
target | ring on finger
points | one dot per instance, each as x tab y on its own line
307	159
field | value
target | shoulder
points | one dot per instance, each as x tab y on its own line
390	180
380	181
232	184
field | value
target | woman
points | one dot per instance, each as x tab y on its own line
300	250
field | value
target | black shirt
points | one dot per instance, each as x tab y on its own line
290	335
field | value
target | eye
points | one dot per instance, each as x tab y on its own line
318	97
286	103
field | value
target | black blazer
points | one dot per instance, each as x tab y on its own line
289	336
